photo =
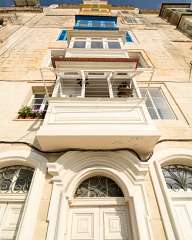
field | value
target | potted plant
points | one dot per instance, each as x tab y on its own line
26	112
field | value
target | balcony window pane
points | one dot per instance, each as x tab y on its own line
96	24
71	87
97	88
96	44
114	45
79	44
123	88
83	23
109	24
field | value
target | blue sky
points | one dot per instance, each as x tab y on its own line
136	3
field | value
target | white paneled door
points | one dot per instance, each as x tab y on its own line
99	223
10	214
183	216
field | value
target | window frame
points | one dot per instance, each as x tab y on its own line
60	33
13	181
167	100
104	41
43	104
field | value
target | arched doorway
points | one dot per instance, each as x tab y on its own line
99	211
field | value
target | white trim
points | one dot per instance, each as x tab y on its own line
31	208
104	40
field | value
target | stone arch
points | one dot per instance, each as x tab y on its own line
121	166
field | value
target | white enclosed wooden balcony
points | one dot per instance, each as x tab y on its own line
97	109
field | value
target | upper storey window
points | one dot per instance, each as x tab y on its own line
62	35
114	44
84	22
157	104
96	43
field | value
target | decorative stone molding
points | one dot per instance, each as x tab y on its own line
74	167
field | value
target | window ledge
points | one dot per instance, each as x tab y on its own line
25	119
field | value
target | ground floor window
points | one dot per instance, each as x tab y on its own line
179	182
15	182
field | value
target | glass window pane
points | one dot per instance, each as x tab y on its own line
109	24
24	180
6	178
79	44
96	24
37	100
39	95
149	104
161	104
152	113
114	45
98	186
36	107
96	44
83	23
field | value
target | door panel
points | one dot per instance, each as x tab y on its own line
183	216
99	223
10	214
115	222
84	223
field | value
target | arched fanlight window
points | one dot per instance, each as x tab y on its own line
98	186
178	177
15	179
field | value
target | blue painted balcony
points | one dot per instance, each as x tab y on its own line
83	22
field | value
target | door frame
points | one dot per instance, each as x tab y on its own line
122	167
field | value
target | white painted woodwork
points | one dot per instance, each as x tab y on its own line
97	123
10	215
99	223
183	217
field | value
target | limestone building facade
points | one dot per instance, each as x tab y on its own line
95	133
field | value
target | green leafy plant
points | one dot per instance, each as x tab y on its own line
26	112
